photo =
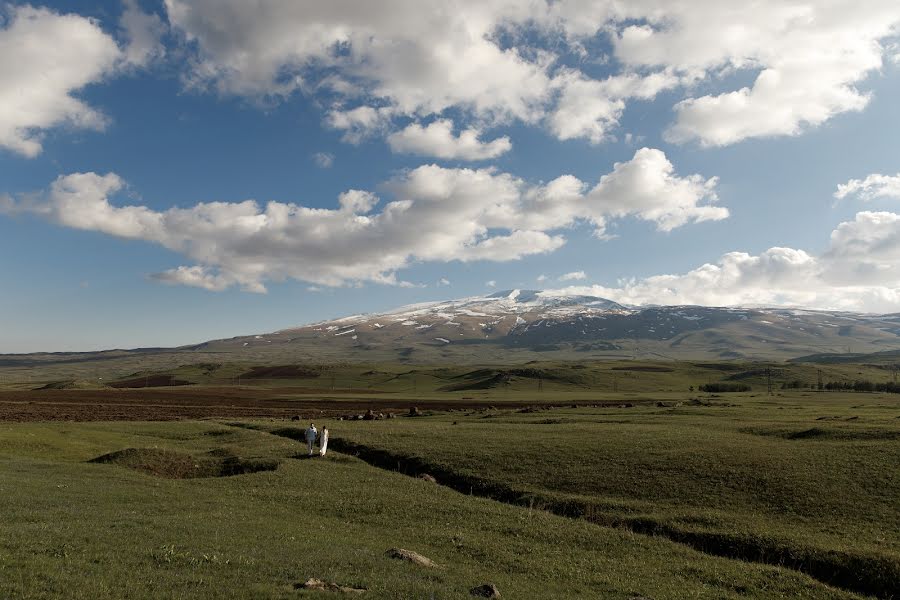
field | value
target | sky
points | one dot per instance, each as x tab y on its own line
178	171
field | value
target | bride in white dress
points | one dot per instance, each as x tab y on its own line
323	441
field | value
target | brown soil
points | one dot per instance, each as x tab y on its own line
195	402
282	371
150	381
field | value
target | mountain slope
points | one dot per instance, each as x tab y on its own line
516	325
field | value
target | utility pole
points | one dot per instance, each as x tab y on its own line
540	385
769	381
819	384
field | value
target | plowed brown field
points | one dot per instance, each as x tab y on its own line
162	404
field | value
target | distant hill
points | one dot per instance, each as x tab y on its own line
517	325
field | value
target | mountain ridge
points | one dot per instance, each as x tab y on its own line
534	323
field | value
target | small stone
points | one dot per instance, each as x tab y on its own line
487	590
414	411
427	477
409	555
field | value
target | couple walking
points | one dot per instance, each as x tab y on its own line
311	435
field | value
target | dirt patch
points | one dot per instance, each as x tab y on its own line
149	381
178	465
72	384
485	379
727	367
283	372
198	402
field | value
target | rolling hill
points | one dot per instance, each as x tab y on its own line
516	325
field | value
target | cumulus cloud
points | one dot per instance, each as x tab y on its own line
807	59
375	61
143	33
38	79
46	58
858	271
360	123
591	109
872	187
491	283
437	139
434	214
573	276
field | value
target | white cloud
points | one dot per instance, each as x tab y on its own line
541	278
375	61
198	276
490	283
573	276
437	139
808	59
648	187
591	109
860	270
435	214
323	160
360	123
142	32
443	281
45	58
873	186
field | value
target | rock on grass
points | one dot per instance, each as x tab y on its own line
487	590
409	555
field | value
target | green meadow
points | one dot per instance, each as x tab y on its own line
570	480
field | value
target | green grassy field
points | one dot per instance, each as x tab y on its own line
808	478
767	496
71	528
535	380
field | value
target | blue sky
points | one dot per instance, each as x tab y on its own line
670	157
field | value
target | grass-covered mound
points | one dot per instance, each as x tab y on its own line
180	465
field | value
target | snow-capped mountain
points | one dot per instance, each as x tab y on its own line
524	324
